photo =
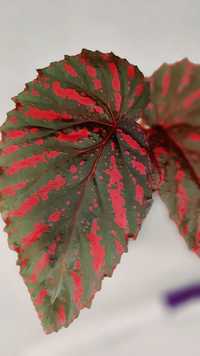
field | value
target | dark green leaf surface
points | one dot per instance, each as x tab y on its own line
75	178
174	115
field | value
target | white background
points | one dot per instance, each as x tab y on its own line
127	316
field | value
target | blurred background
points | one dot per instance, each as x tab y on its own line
128	316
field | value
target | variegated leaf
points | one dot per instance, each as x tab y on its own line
75	178
174	115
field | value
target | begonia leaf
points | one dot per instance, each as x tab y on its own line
174	117
75	178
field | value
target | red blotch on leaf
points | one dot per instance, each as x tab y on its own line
54	217
73	169
194	136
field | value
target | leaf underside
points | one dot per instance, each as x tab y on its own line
75	178
174	118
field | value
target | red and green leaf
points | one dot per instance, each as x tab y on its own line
75	178
174	115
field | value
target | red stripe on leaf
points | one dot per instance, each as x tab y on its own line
187	103
10	149
165	83
139	194
25	207
71	94
70	70
96	249
119	247
12	189
92	74
25	163
31	162
36	234
73	136
42	263
115	84
139	166
118	100
115	76
131	71
183	201
49	115
139	89
115	190
15	134
182	197
40	297
91	71
97	84
186	77
61	315
52	185
39	267
78	287
132	143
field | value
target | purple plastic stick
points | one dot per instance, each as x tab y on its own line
182	295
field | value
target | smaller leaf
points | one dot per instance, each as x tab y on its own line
174	115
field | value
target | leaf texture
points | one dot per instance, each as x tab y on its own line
75	178
174	117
